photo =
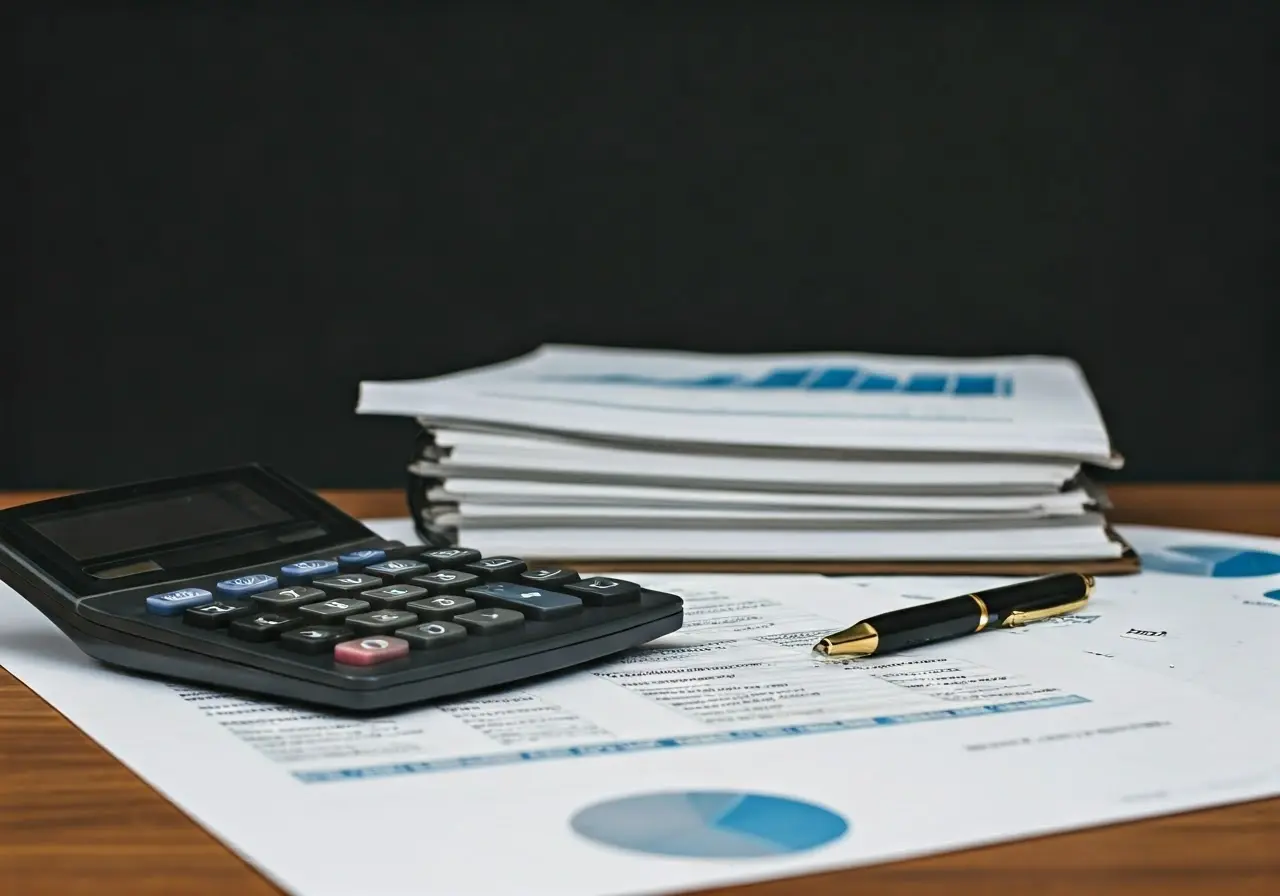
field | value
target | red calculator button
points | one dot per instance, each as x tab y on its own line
370	651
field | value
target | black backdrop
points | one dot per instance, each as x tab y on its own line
226	219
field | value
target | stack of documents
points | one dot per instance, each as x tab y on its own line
829	462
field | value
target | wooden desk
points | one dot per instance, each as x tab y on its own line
73	820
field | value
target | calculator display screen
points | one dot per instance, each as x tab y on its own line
157	520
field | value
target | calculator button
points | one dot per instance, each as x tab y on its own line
349	584
432	634
491	621
393	595
333	609
243	586
398	570
216	614
397	551
306	570
313	639
263	626
446	581
533	602
549	577
497	569
370	651
380	622
449	558
287	598
601	592
358	560
446	606
172	603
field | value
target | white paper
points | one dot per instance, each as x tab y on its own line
1184	617
527	493
514	457
1040	406
976	741
1074	538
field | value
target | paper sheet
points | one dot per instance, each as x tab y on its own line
725	753
500	491
846	402
1205	610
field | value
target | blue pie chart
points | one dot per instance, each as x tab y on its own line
710	824
1212	561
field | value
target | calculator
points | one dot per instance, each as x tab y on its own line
242	579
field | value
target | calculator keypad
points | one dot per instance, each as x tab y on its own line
369	607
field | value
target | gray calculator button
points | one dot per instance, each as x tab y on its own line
446	606
348	583
427	635
490	621
287	598
380	622
393	596
333	609
599	591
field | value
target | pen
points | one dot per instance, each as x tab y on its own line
969	614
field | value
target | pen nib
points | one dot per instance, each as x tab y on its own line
857	640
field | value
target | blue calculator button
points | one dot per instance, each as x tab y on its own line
244	585
171	603
306	570
532	602
358	560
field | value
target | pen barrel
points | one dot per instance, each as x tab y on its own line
1038	594
971	613
915	626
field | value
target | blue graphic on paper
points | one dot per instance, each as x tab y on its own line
1274	595
1211	561
814	379
710	824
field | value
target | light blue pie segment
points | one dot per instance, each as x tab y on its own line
710	824
1211	561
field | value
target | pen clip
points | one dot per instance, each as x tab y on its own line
1022	617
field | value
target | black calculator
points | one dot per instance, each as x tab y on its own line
245	580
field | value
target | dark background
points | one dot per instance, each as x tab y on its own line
226	219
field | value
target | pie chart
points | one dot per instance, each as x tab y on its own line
710	824
1212	561
1274	595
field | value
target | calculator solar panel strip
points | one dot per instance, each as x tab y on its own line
136	576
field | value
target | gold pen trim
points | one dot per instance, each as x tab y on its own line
982	605
856	640
1022	617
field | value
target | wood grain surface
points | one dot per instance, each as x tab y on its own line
73	820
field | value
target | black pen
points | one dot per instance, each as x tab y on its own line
1005	606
